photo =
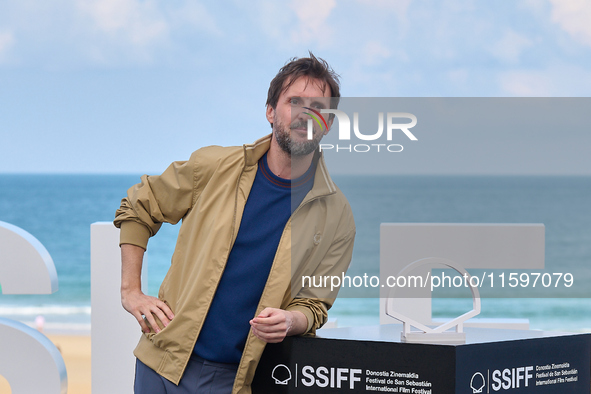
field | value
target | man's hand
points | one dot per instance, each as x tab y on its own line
272	325
140	305
132	298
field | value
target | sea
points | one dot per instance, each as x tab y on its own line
59	209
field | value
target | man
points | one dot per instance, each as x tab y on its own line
254	220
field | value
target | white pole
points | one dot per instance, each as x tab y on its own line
114	332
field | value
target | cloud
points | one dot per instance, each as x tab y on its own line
303	23
127	21
6	42
312	17
144	25
375	53
574	17
194	15
534	5
560	80
272	20
392	14
399	7
104	32
139	30
510	47
526	83
458	76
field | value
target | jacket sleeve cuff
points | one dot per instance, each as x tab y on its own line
307	312
134	233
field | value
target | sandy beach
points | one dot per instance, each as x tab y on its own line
75	350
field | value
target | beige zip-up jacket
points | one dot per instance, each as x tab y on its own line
208	192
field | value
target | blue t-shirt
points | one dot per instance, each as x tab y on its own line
270	203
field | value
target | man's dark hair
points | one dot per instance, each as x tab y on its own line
311	67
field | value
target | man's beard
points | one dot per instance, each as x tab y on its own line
295	149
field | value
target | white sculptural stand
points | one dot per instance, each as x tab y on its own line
441	333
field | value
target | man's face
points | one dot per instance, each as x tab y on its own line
289	118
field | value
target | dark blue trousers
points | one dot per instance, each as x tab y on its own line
200	377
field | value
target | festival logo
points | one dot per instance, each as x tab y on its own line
477	383
281	374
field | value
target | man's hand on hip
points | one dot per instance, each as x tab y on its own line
132	298
140	305
272	325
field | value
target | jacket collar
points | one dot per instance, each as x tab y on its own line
323	184
253	152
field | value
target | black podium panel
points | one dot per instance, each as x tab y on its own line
373	359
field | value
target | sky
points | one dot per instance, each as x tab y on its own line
128	86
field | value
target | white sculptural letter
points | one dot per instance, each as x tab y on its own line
28	360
